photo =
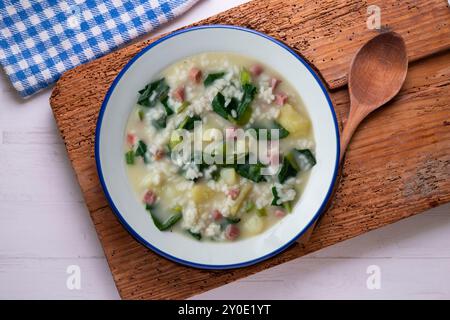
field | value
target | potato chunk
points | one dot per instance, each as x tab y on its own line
253	225
228	175
293	121
201	193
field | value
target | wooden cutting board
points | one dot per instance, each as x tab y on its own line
397	165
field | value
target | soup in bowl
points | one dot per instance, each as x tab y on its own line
202	106
217	147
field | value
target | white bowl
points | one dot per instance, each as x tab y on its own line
121	98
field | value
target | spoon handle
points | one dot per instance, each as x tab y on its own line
357	114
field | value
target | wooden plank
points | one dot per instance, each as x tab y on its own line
398	165
327	32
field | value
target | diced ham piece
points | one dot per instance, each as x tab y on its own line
274	82
256	70
233	193
279	213
232	232
150	197
195	75
274	156
178	94
131	139
281	98
217	215
159	154
231	133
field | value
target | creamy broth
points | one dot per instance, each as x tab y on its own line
216	201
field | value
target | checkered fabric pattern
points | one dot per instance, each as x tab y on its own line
41	39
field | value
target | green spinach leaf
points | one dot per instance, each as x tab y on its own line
153	92
287	171
249	95
218	105
197	236
304	158
275	197
286	205
212	77
282	132
250	171
169	223
141	151
233	220
188	122
161	122
167	108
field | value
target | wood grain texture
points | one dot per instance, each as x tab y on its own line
326	32
398	165
376	75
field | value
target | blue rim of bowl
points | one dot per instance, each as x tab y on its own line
119	215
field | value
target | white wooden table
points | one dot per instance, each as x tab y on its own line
45	227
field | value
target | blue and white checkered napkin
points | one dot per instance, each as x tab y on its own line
40	39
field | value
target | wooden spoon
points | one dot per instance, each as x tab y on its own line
376	75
